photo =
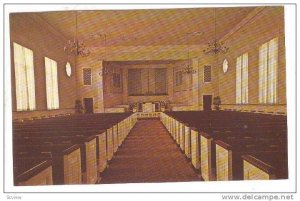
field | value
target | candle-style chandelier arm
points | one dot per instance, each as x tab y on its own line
216	46
75	47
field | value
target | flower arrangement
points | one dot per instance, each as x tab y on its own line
217	102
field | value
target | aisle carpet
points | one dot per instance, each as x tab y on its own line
149	155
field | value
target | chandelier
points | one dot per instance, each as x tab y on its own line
75	47
215	47
189	69
107	71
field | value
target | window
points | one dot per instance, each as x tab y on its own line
242	79
268	62
134	82
24	78
117	80
160	80
51	84
87	76
207	73
68	69
178	78
225	65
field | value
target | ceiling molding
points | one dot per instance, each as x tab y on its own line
244	22
44	23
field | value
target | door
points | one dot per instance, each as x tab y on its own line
88	105
207	102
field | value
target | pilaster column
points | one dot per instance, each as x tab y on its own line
99	99
195	84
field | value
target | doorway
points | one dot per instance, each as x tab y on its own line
207	102
88	105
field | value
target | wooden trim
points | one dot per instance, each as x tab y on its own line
206	135
34	171
71	149
259	164
223	144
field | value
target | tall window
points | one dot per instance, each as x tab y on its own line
134	82
268	62
51	84
242	79
116	80
160	81
87	76
24	78
178	78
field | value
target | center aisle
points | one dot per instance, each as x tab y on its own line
149	155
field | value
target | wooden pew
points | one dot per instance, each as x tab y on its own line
228	155
33	170
62	128
66	161
87	148
264	166
234	121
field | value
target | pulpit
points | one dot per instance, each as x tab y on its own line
148	107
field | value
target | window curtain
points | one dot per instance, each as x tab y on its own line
242	79
245	78
24	78
238	80
268	64
272	71
51	84
263	72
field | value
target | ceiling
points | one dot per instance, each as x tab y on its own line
147	27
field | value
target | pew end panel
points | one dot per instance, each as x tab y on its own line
90	175
39	173
223	161
255	169
195	148
206	161
72	167
102	159
187	140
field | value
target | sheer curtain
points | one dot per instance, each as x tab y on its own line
238	80
242	79
24	78
245	78
272	71
268	63
51	84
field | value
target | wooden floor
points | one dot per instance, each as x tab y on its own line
149	155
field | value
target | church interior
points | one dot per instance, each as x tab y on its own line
148	95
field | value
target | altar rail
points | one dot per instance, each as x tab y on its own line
141	115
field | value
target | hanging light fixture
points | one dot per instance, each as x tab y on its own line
105	70
74	47
189	69
216	46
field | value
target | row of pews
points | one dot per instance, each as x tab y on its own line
230	145
73	149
